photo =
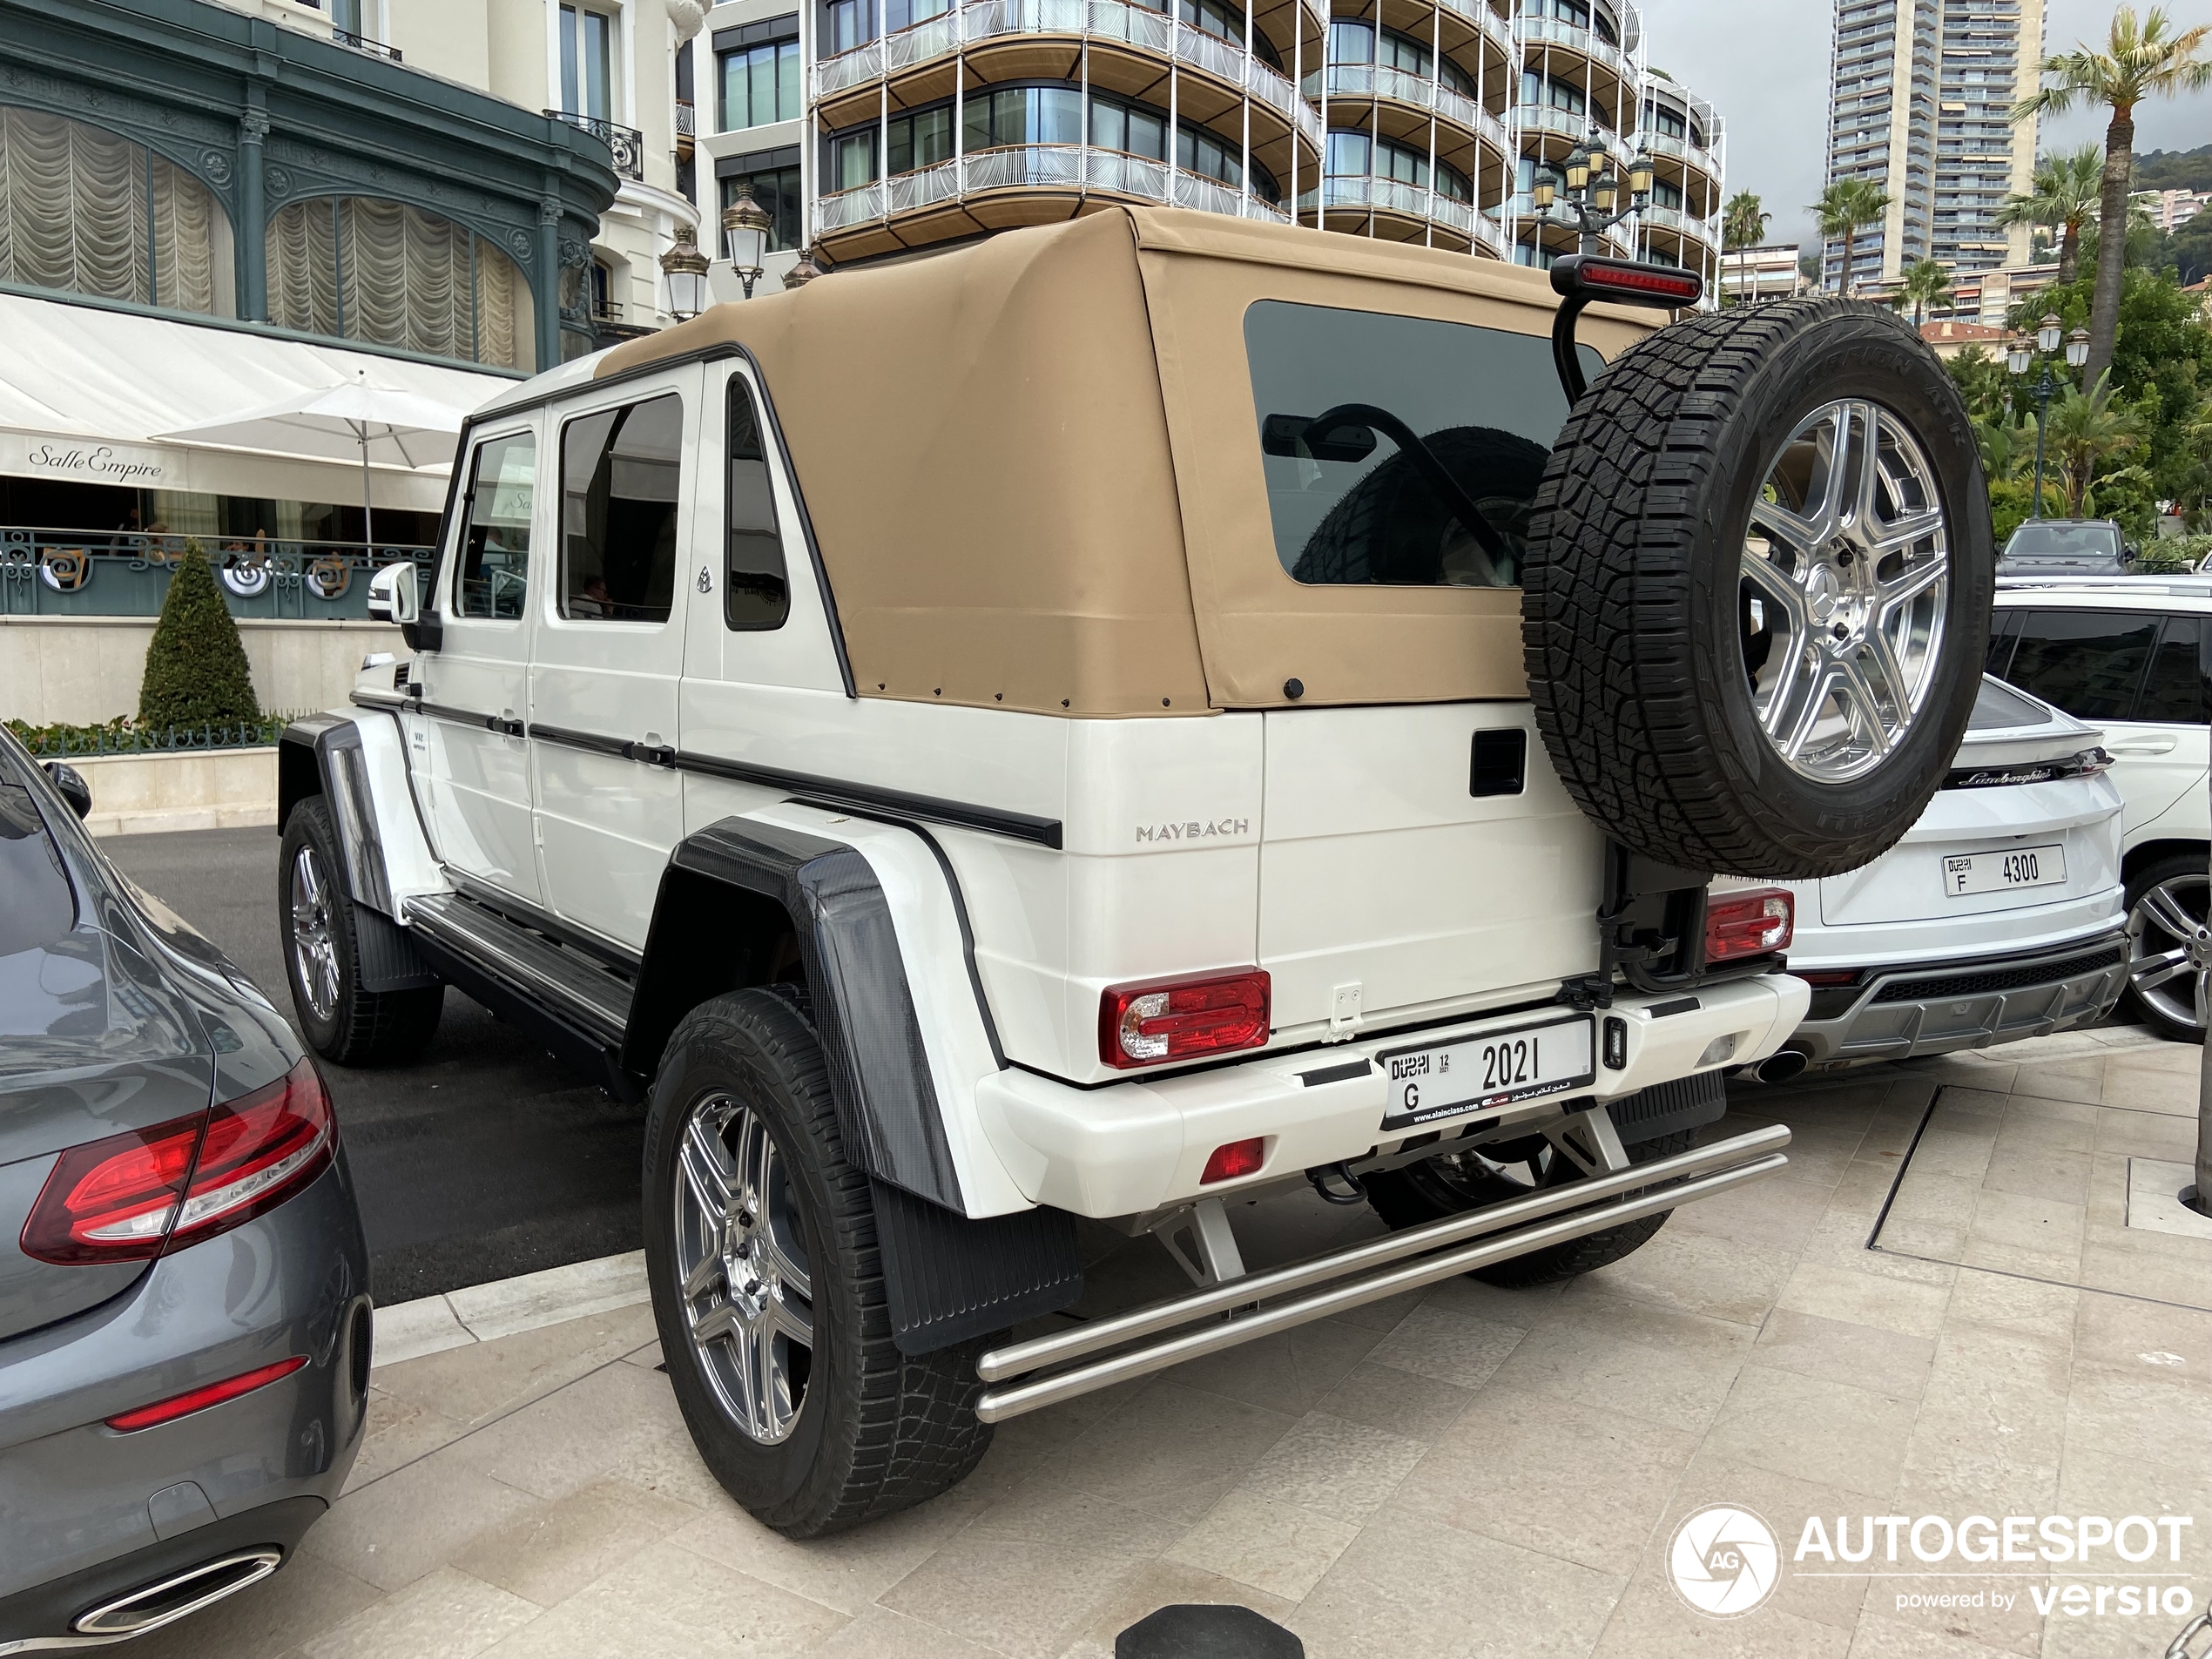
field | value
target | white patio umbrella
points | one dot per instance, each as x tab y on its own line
392	428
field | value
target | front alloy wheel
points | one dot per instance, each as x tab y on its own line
741	1261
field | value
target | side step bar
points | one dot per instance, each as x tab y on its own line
562	980
1505	1230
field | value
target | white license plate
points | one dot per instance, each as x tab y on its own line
2030	866
1490	1070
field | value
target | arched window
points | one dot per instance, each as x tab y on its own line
83	210
359	268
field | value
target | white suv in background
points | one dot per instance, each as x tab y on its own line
2130	655
1999	916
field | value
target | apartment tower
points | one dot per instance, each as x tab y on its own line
1920	100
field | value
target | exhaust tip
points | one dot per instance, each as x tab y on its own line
1780	1067
175	1598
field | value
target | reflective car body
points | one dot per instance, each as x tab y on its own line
129	1044
2067	547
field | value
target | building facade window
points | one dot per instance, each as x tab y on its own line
1672	124
1538	89
1353	42
1581	16
776	191
760	84
355	268
847	24
1222	21
84	211
587	63
1359	155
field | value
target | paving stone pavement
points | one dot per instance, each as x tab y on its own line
1465	1471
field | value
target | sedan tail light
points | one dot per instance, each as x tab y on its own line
1748	921
199	1399
131	1197
1190	1018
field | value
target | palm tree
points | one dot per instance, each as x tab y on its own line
1926	284
2140	60
1843	208
1742	227
2064	196
2083	428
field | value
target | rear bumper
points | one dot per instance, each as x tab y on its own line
1130	1147
1969	1002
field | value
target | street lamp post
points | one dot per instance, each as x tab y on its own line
2024	356
684	268
746	223
1592	186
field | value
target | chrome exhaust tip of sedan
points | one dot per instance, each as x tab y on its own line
174	1598
1780	1067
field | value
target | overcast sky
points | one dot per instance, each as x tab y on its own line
1764	65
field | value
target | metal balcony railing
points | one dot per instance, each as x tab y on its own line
363	43
627	143
1062	166
45	572
687	124
1380	80
1673	219
1115	22
1414	201
1551	31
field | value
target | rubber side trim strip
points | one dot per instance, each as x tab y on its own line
830	791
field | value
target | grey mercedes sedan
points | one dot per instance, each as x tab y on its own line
185	1318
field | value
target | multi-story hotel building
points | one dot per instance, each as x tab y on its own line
1920	103
868	127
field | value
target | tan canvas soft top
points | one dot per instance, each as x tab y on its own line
1033	470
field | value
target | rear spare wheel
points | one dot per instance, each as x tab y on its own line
1757	590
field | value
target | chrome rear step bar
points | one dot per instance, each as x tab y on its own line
1505	1230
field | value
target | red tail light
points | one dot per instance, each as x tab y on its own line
199	1399
1236	1158
1182	1019
133	1195
1748	921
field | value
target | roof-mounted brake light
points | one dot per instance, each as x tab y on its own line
1581	278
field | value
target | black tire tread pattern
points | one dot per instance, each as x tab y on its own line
904	1426
369	1027
1610	592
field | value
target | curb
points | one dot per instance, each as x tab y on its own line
507	1307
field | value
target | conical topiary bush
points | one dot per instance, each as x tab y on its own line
196	672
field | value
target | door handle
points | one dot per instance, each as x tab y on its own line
506	724
2141	745
653	754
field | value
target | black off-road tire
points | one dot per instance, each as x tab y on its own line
1411	1197
1633	616
360	1028
878	1431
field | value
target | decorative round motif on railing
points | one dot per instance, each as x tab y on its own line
245	576
328	578
66	569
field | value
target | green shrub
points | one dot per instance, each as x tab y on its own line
124	736
2009	501
196	671
2173	553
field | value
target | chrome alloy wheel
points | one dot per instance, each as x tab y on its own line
1846	576
745	1292
2167	940
315	951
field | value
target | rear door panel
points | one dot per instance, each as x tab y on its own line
1380	869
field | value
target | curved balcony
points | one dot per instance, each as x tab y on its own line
1693	156
1682	225
1552	31
1400	213
1100	22
1362	81
1020	184
1493	28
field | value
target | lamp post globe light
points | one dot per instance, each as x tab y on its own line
2022	355
684	269
1593	188
745	224
803	272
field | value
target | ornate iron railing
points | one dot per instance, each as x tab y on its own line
363	43
81	573
127	737
627	143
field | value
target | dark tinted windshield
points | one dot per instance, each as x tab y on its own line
36	903
2063	541
1381	435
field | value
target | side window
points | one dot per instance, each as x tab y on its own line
494	575
620	473
2087	662
2174	690
2004	634
755	593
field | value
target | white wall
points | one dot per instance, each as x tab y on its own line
83	670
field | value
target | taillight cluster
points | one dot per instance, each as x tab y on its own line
136	1195
1190	1018
1748	921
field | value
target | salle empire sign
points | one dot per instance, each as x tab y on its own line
84	459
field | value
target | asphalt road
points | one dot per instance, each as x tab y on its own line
487	1158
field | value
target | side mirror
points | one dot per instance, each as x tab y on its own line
70	782
392	595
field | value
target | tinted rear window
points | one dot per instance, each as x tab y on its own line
1373	427
2088	663
36	903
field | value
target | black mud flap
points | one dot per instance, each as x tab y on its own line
1670	1108
951	1280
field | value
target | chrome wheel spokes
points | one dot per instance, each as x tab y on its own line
1846	574
2167	938
315	951
742	1269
